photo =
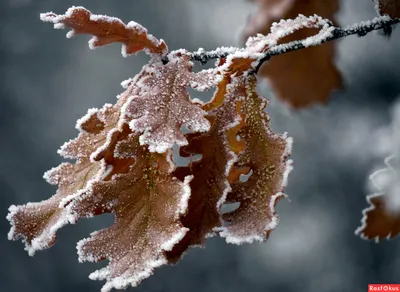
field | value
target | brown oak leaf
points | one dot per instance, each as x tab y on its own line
164	106
265	154
378	222
389	7
37	223
300	78
106	30
210	183
103	121
147	202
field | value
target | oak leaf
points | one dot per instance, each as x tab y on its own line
265	155
305	77
163	105
106	30
210	183
37	223
147	202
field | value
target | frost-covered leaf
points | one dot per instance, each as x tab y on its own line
164	106
147	202
265	155
37	223
389	7
106	30
377	222
210	183
303	77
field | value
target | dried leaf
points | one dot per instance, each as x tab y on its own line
37	223
163	105
378	222
147	202
305	77
210	184
265	155
389	7
106	30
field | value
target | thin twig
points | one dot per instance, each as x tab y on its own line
361	29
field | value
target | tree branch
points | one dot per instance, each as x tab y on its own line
361	29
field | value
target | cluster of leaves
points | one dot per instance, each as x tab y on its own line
123	153
124	163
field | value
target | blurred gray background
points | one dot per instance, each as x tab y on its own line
48	82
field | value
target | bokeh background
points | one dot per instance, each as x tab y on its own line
47	82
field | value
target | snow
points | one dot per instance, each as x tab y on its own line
52	175
126	83
289	162
90	113
122	282
84	256
185	196
176	238
136	27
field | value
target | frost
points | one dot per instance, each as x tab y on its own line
91	114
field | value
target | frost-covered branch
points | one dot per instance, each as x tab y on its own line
361	29
204	56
